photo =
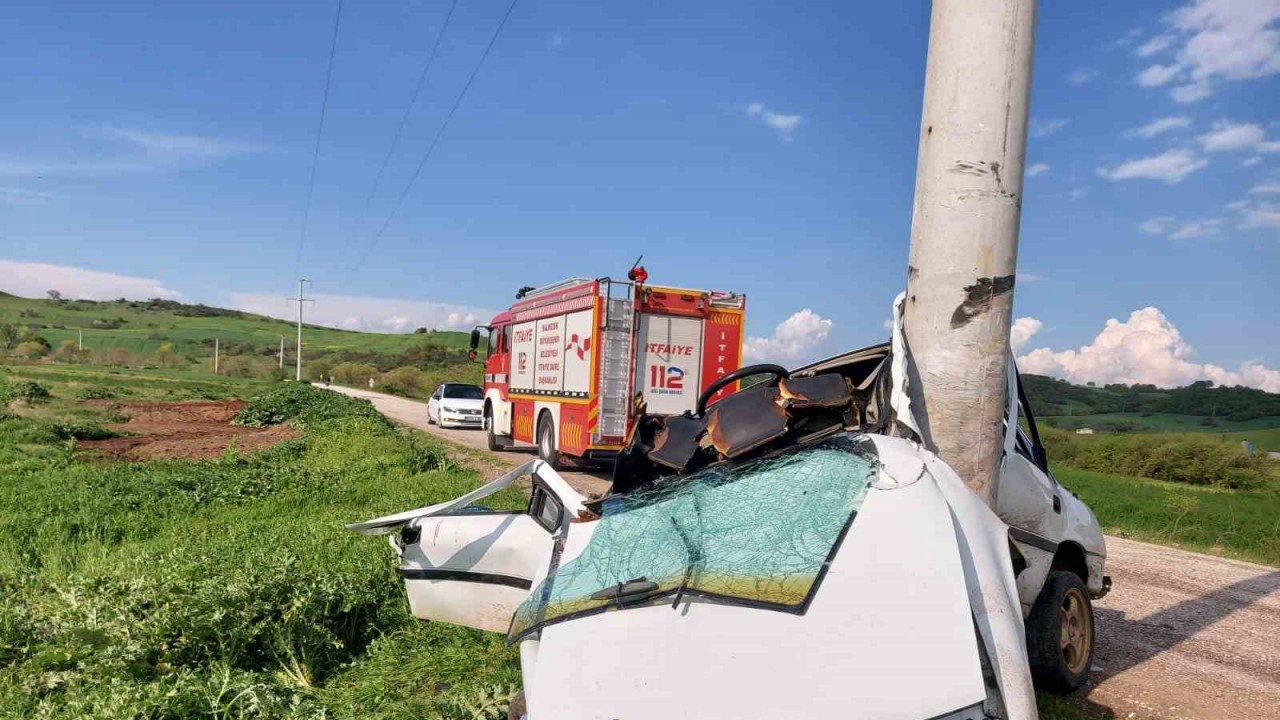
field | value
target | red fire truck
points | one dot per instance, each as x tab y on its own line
565	362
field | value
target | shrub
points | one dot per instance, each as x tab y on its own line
95	393
305	406
31	350
82	431
31	391
353	373
1187	458
408	381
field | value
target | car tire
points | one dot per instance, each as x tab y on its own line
547	442
1060	633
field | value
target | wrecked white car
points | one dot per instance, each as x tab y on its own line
789	552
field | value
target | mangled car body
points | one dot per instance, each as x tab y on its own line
791	551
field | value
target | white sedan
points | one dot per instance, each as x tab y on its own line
456	405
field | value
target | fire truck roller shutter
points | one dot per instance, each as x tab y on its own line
669	363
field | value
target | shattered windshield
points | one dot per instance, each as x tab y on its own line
759	533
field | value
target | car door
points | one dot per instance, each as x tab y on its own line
1029	500
469	565
433	404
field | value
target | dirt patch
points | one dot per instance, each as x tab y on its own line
194	430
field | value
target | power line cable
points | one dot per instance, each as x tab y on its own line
315	155
404	119
434	141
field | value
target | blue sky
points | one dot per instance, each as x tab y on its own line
761	147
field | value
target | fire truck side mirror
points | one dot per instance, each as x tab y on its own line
472	355
475	342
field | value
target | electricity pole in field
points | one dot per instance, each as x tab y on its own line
281	352
964	229
300	301
215	356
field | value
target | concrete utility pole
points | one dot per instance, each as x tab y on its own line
215	356
964	228
300	301
281	352
80	342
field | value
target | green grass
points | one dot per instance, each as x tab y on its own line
145	330
229	588
1163	422
1243	524
1266	440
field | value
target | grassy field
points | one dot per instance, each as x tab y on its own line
1243	524
144	330
1163	422
228	588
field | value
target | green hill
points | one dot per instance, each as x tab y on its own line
1235	413
143	326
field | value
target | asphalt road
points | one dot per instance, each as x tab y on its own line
1182	636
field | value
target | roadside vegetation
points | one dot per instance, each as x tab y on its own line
227	587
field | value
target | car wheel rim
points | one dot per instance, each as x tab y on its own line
1075	636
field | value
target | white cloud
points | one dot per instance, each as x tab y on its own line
1171	166
1191	92
1156	225
1080	76
1196	229
784	124
373	314
1036	169
30	279
555	41
1026	277
142	151
1227	136
1214	41
1161	125
1021	330
1159	43
1042	128
1250	162
1238	205
1158	75
1168	227
1145	349
1272	187
1260	215
793	340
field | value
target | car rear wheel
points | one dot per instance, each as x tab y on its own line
1060	633
547	442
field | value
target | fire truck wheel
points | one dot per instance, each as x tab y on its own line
547	442
490	435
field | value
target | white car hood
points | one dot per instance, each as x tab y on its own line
448	404
892	632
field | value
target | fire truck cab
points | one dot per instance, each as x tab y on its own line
565	363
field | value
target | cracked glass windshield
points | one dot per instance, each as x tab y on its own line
758	533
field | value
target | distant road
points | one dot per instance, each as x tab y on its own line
1182	636
414	414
